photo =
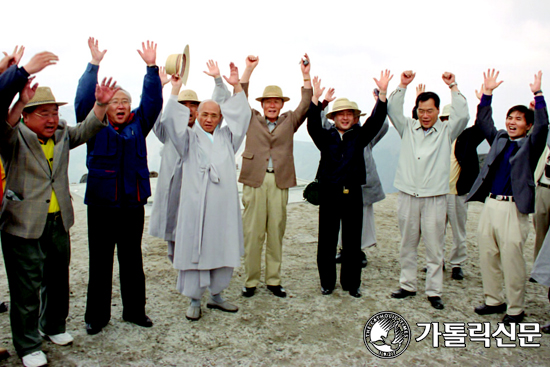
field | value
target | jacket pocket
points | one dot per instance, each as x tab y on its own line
248	155
143	185
101	187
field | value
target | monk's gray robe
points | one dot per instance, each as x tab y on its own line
162	222
209	225
541	267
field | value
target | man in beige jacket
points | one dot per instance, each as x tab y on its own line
267	174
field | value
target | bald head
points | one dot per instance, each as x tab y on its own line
210	115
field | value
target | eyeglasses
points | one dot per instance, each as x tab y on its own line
48	115
124	102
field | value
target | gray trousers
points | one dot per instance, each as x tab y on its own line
193	283
38	279
457	216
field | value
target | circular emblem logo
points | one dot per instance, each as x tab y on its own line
387	335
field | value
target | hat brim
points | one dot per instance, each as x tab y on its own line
260	99
39	103
331	114
185	62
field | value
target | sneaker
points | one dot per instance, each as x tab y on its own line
59	339
36	359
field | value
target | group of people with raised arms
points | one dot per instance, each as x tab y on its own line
196	207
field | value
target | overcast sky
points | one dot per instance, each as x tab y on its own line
349	42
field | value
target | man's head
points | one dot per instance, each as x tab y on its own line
344	113
209	115
445	113
272	102
118	111
41	114
189	99
519	120
427	109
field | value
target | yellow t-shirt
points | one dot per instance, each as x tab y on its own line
455	171
48	152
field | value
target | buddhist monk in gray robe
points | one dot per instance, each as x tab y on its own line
209	237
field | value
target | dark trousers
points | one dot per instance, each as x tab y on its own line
334	206
108	227
38	278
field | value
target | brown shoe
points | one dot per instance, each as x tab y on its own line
4	354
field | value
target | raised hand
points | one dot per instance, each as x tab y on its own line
105	91
490	81
213	69
177	82
535	86
420	88
97	55
233	75
305	68
406	78
329	97
480	93
164	78
252	61
448	78
11	59
382	83
28	92
317	90
149	53
40	61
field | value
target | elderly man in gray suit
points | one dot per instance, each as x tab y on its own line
37	213
506	184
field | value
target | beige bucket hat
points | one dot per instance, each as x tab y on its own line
42	96
273	91
446	111
179	64
342	104
357	108
188	95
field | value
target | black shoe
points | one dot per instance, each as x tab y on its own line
425	270
508	319
436	302
545	329
277	290
339	257
326	292
489	310
3	307
356	293
532	280
457	273
364	261
92	329
248	292
143	321
402	293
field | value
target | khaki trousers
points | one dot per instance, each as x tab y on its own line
502	232
541	218
422	217
457	215
264	216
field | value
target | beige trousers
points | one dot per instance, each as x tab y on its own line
541	218
422	217
457	216
502	232
264	216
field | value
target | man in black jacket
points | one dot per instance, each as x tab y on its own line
341	174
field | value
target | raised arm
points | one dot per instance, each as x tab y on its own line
396	101
236	111
459	115
251	63
307	92
317	93
484	116
374	122
220	93
11	59
158	128
540	127
150	104
174	114
85	92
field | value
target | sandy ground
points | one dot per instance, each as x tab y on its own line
305	329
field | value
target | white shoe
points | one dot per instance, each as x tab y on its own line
193	313
59	339
36	359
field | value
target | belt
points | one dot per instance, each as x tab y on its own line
502	197
54	216
270	170
544	185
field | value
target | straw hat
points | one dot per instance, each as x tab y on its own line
179	64
272	91
342	104
42	96
357	108
188	96
446	111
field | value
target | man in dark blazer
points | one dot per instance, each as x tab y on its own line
37	213
506	185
